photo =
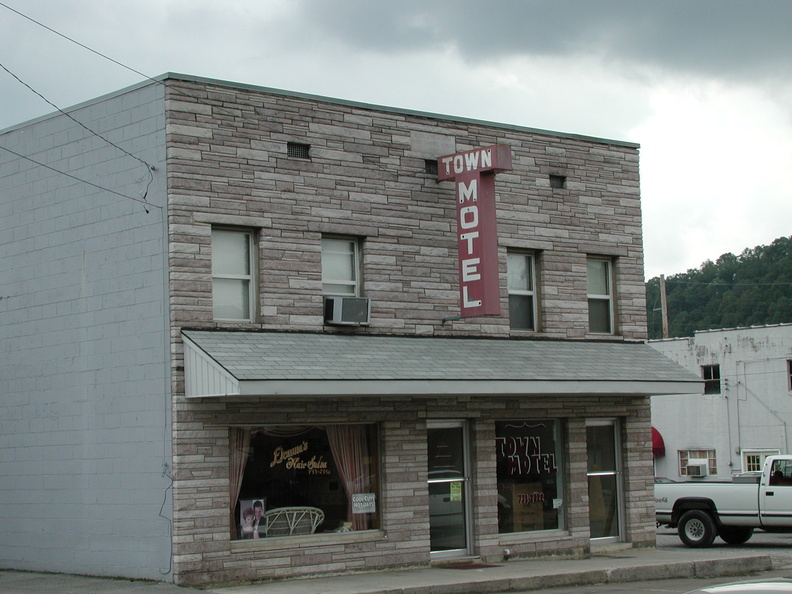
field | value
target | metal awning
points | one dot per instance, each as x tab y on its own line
228	363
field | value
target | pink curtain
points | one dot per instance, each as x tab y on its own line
238	452
350	452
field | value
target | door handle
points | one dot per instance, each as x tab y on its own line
770	493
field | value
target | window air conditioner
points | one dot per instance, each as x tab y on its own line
697	468
347	311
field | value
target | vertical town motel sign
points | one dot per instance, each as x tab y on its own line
473	173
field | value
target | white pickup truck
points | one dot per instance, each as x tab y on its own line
701	511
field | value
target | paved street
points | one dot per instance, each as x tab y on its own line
777	546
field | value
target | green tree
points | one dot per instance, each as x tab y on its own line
754	288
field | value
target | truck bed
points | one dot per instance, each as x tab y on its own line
736	501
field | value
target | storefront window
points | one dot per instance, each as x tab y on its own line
529	477
288	480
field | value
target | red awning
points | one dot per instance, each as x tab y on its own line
658	445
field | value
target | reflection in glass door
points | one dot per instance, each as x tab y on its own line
448	488
604	479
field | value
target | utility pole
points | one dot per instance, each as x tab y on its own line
663	305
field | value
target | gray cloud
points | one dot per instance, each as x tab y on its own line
723	38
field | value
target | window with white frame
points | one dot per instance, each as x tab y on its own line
521	269
753	460
688	458
340	266
233	275
711	376
600	295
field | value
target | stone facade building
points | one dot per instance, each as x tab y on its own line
233	346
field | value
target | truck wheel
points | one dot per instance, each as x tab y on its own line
735	535
697	529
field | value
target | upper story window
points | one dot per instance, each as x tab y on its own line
600	295
233	275
522	291
711	376
789	374
340	266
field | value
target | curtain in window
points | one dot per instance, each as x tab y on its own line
283	430
350	452
238	452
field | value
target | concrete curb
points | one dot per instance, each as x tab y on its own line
686	569
510	577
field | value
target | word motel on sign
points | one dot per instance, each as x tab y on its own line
468	225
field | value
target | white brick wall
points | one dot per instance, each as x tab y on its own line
84	426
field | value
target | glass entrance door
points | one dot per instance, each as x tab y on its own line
604	479
449	489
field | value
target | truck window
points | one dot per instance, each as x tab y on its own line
781	473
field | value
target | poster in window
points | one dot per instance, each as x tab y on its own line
251	512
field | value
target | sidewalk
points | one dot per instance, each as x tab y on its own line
607	567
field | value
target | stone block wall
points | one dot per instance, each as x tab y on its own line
204	552
366	177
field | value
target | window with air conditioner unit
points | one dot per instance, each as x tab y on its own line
343	304
697	463
697	468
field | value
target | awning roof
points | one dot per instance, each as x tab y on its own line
658	445
227	363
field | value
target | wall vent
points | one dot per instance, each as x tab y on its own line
297	150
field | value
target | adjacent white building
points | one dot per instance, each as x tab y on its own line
745	413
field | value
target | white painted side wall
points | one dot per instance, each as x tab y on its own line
84	373
753	410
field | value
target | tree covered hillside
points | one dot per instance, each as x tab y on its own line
754	288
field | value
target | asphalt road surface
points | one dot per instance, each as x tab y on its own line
777	546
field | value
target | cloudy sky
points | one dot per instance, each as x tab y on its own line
704	86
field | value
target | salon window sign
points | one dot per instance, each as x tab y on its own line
299	458
473	173
364	503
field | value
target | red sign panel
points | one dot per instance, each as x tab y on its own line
473	173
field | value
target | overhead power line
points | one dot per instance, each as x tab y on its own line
39	163
149	168
76	121
32	20
106	57
726	284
